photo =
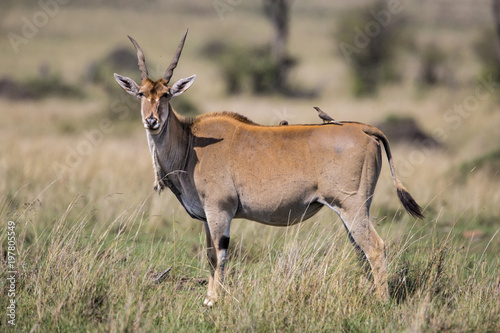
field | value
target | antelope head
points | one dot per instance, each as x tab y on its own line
155	95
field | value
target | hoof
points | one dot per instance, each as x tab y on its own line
208	302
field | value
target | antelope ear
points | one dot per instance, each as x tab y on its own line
128	85
182	85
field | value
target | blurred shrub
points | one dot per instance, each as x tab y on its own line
251	68
12	89
185	106
120	60
433	70
367	39
120	105
488	52
405	129
244	67
264	72
51	85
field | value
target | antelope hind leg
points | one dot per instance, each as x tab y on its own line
371	247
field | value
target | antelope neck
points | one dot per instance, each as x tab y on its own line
171	144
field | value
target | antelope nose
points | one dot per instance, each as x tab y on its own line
151	122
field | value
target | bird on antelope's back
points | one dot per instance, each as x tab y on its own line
325	117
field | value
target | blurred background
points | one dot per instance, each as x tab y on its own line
425	72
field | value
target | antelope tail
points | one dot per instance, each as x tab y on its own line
404	196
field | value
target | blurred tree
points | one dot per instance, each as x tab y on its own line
278	11
262	69
367	39
496	15
433	66
487	47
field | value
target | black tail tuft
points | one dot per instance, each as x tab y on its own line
409	203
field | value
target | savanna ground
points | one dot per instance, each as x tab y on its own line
91	236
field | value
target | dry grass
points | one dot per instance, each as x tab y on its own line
90	239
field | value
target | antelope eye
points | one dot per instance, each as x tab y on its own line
140	94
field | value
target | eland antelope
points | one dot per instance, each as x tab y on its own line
222	166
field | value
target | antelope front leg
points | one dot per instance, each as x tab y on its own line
217	234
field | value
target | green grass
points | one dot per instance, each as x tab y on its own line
79	275
489	161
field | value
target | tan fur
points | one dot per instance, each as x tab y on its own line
222	166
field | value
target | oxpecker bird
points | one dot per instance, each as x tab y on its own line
325	117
